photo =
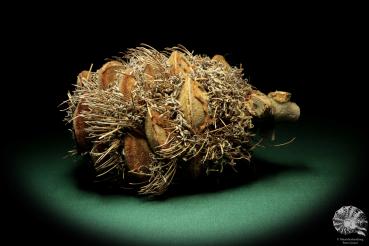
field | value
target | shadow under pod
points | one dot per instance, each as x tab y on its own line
247	173
84	176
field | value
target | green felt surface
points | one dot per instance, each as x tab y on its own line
302	177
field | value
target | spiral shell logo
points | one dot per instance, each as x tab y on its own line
349	220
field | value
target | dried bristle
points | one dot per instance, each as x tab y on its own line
138	155
108	73
106	158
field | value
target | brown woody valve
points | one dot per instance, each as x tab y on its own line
143	118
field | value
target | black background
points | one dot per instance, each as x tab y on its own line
314	51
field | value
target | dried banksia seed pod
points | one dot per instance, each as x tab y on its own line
149	115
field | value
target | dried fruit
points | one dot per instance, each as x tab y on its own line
221	59
138	155
178	63
194	103
152	114
108	73
155	125
126	85
82	77
79	126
